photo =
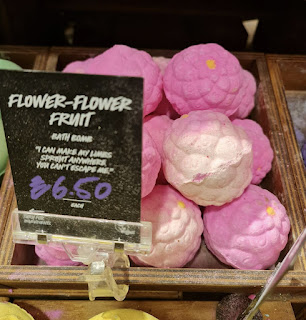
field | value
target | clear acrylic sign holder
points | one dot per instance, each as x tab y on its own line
99	254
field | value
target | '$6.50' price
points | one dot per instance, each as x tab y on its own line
39	187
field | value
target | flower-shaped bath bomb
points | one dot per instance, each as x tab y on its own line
151	163
202	77
10	311
123	314
262	151
122	60
247	95
54	255
248	233
176	228
207	158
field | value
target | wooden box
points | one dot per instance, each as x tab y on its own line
163	310
19	273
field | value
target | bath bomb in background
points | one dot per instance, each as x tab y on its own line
54	255
123	314
207	158
11	311
248	233
5	65
122	60
262	151
151	163
248	91
204	77
204	259
176	228
162	63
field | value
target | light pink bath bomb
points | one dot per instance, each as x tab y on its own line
207	158
248	233
247	91
204	77
157	127
262	151
122	60
151	163
54	255
176	228
162	63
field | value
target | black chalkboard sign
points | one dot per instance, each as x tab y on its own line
74	145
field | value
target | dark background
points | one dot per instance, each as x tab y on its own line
154	24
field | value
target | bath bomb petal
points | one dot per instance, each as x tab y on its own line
248	233
122	60
176	228
207	158
204	77
151	163
11	311
262	151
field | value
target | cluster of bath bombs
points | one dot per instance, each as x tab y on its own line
262	151
151	163
54	255
206	158
206	77
123	314
248	233
10	311
176	228
5	65
122	60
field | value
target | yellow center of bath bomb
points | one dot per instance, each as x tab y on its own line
123	314
211	64
270	211
185	116
181	204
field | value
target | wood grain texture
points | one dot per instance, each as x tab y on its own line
69	282
163	310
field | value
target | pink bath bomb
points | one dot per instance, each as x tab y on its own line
247	91
204	77
162	63
157	127
151	163
248	233
207	158
165	108
176	228
122	60
262	151
54	255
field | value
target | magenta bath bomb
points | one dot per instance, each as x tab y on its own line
262	151
151	163
204	77
122	60
54	255
207	158
176	228
247	96
248	233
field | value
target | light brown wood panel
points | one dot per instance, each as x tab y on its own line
4	299
163	310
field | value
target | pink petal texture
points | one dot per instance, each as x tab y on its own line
151	163
248	233
204	77
122	60
248	99
262	151
207	158
176	228
54	255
